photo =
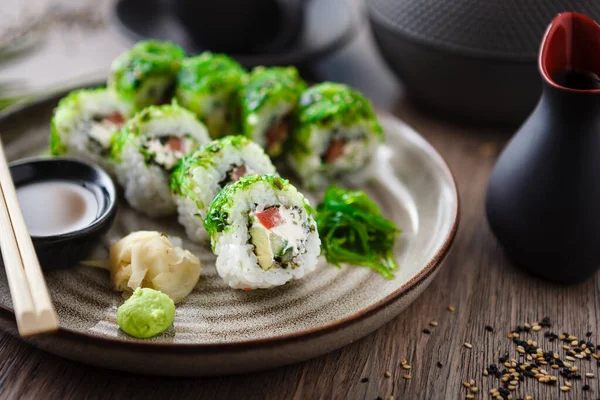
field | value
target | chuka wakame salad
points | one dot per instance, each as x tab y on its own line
352	231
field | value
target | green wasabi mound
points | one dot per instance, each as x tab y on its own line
208	85
269	100
145	74
335	137
146	313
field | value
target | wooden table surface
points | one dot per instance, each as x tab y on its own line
477	279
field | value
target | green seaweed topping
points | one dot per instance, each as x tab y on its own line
328	102
271	86
209	85
217	218
145	61
353	231
209	73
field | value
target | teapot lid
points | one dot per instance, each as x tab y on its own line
505	29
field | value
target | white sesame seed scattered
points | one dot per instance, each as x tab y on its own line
468	345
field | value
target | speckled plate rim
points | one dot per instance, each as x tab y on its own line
8	318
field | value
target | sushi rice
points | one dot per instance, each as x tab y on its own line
263	233
336	136
268	103
84	122
148	148
203	174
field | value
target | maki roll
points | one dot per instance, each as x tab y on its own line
209	85
145	74
336	135
146	150
263	233
268	102
84	123
202	175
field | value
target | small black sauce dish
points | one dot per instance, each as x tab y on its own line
65	250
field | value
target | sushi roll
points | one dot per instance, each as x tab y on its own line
84	123
147	149
209	86
145	75
336	135
268	102
263	233
201	176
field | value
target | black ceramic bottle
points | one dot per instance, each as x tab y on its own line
543	198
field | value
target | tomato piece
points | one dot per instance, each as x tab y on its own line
237	173
277	134
175	144
115	118
335	150
270	218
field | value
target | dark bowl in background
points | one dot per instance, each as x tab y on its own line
67	249
472	60
241	26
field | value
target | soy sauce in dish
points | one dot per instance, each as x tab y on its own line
577	79
56	207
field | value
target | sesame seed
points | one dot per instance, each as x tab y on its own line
466	384
565	347
403	362
569	384
470	396
536	328
363	380
427	331
489	328
388	374
468	345
474	389
451	308
585	388
570	358
406	366
485	372
588	334
407	377
528	397
565	388
574	343
578	356
433	323
589	375
439	364
572	338
514	382
391	398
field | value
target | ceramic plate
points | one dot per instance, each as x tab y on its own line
219	330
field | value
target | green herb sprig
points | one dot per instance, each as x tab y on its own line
353	231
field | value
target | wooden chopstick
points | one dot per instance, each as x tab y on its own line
31	301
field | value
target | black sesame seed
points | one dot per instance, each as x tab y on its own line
588	334
378	398
489	328
427	331
585	388
363	380
439	364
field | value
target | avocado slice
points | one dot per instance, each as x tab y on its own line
262	247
